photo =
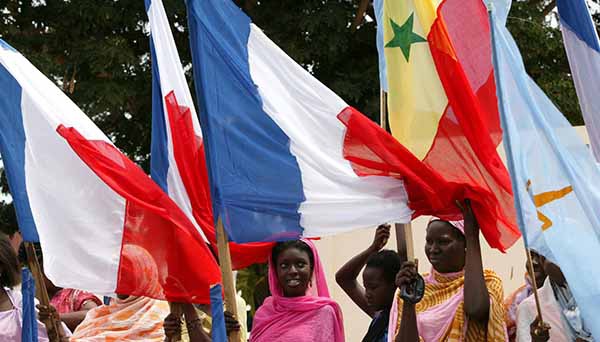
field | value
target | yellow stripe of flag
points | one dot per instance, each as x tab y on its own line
416	99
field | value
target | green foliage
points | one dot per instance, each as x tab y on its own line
98	51
8	218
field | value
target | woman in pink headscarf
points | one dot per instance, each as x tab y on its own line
300	308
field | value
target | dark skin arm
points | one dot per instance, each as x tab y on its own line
347	275
172	324
477	297
409	332
172	327
194	325
47	314
73	319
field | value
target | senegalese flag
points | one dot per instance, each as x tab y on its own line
443	115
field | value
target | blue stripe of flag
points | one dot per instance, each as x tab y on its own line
12	149
159	160
256	185
218	331
29	332
575	14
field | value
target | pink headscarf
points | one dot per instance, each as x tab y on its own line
459	224
281	316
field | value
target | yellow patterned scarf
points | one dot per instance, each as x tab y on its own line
440	314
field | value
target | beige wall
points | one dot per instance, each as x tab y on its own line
336	250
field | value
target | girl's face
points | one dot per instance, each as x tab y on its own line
378	291
294	272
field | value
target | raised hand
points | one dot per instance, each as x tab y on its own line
471	226
382	235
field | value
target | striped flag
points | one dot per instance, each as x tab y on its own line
178	163
583	50
104	225
274	141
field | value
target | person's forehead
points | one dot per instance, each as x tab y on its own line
293	252
371	273
440	228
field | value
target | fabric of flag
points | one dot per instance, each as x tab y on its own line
583	50
29	328
104	225
443	114
274	142
178	163
218	331
556	181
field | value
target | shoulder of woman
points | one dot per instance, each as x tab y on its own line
15	296
328	308
491	276
326	314
494	286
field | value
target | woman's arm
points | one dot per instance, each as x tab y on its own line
409	332
477	297
347	275
73	319
194	325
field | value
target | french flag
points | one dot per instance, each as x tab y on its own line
178	163
103	224
583	50
274	141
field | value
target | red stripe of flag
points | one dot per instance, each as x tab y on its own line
159	242
188	151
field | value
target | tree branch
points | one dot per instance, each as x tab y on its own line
549	8
360	14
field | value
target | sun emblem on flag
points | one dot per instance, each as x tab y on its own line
544	198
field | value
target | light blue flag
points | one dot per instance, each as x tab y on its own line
556	182
378	7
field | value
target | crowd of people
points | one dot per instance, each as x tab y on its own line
458	300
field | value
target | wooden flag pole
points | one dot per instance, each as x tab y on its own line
41	292
535	287
227	274
404	230
383	109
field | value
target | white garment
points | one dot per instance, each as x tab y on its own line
11	321
551	312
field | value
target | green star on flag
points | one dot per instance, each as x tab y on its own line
404	36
